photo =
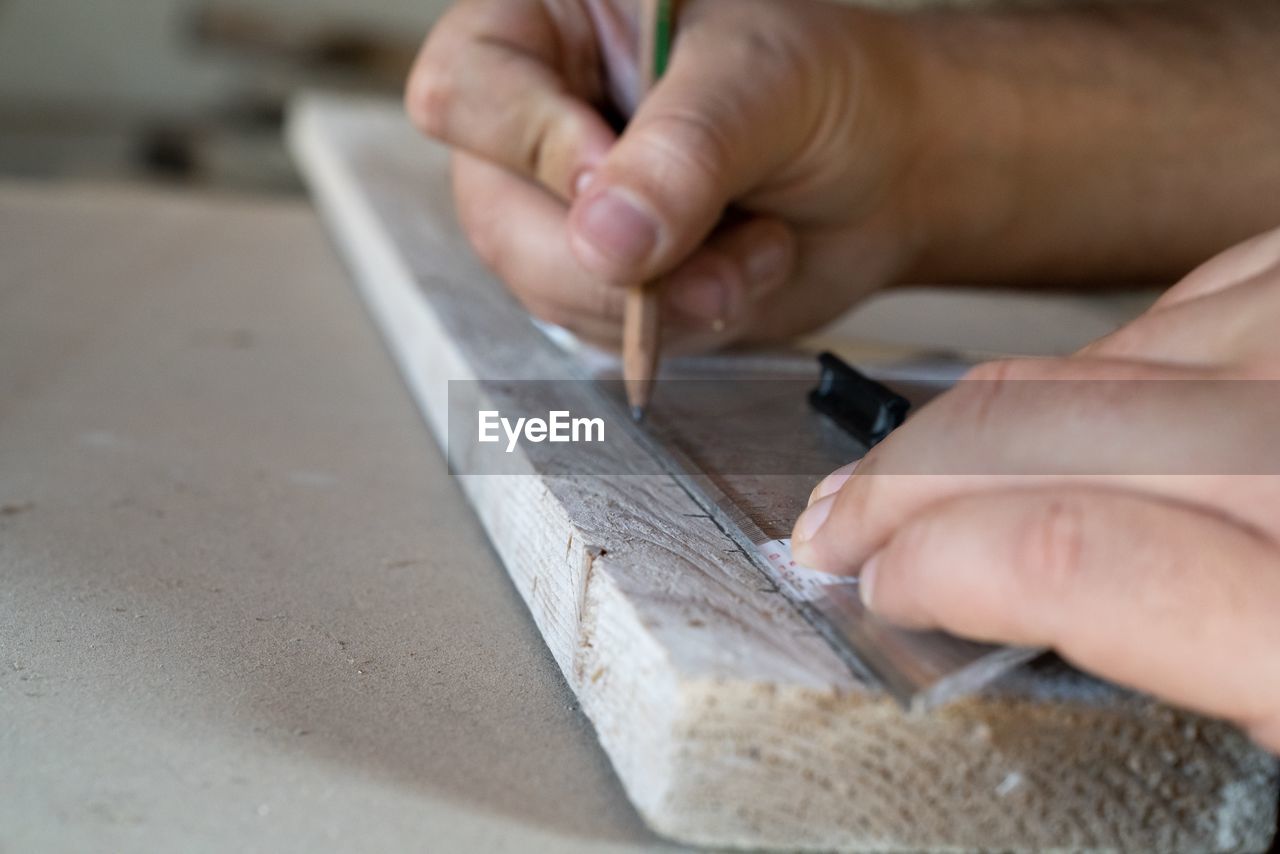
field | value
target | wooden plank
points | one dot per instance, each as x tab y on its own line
728	721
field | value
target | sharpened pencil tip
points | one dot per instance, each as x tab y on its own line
637	414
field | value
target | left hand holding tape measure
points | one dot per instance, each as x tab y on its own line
1121	505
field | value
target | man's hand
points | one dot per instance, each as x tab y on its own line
763	156
798	154
1121	505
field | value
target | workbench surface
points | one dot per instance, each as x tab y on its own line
242	604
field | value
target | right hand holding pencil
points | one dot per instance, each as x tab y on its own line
798	154
753	183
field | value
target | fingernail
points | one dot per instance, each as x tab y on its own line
617	228
833	482
766	266
812	519
583	181
704	300
867	580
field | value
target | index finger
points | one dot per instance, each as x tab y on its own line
509	82
1151	594
1170	432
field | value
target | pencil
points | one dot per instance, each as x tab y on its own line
641	326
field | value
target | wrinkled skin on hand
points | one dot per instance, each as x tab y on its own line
760	183
1121	505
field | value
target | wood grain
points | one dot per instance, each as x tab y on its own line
728	721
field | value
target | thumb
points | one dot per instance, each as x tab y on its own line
708	131
1154	595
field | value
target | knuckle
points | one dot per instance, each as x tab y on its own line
1049	545
429	98
771	55
692	148
982	393
541	140
536	150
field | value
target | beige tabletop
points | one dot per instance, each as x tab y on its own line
243	606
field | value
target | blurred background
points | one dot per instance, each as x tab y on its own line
191	92
187	92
